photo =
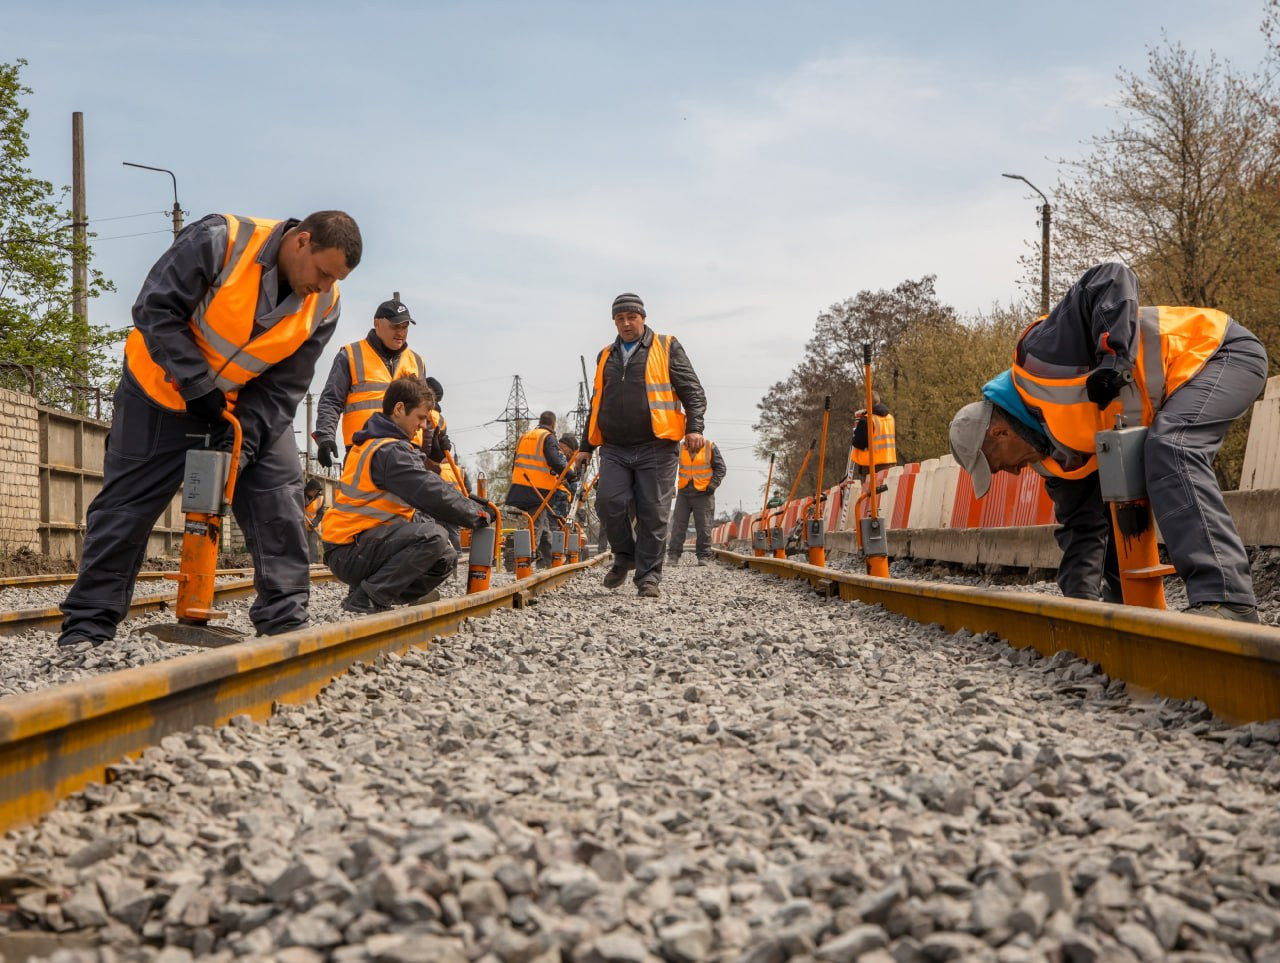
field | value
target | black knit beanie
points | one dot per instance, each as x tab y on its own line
628	302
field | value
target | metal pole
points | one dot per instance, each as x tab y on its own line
79	259
306	463
1044	241
177	209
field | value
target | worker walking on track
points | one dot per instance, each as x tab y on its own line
382	537
360	374
1186	373
534	474
700	475
232	317
646	399
886	446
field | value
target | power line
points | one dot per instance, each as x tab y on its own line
117	237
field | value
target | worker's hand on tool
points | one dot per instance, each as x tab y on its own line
327	452
694	442
1103	386
432	466
487	516
208	406
581	459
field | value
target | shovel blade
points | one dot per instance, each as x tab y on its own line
204	636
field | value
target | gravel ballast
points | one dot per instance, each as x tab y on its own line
737	771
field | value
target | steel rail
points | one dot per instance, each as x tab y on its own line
1233	667
55	741
66	578
20	620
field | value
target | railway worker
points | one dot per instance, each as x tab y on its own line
886	448
535	473
638	422
383	536
232	317
699	477
312	515
1187	373
360	374
563	498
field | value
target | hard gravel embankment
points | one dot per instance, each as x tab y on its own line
736	771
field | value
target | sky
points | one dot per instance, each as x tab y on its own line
514	166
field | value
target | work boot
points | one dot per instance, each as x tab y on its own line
615	577
360	603
74	639
432	596
702	563
648	590
1230	611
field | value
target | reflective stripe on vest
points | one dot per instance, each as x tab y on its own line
311	511
695	468
223	322
357	504
369	380
530	466
665	412
1173	345
885	443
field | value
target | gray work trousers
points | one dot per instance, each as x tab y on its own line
638	481
702	506
143	468
394	564
1182	442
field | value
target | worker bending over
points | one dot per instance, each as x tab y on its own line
383	535
360	374
1187	373
233	317
886	445
700	475
534	475
313	515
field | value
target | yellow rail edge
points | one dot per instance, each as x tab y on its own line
1233	667
55	741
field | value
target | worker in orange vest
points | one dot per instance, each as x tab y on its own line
233	316
360	374
886	444
313	516
700	475
646	400
535	469
1185	373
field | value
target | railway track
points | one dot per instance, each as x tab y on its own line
55	741
1234	668
67	578
22	620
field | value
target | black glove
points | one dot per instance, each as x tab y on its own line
1103	386
489	516
208	406
327	452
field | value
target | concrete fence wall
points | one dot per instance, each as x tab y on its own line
20	472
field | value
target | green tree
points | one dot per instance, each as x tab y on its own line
40	337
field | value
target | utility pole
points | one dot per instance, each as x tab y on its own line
79	255
306	462
177	210
1045	213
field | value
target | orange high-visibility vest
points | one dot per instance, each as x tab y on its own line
665	412
357	504
695	469
311	512
1173	345
531	462
369	380
884	444
448	474
223	323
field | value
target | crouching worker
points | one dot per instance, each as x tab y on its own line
382	537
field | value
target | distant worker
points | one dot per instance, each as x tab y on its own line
534	474
233	316
313	515
360	374
645	401
563	498
700	475
1186	373
381	537
886	445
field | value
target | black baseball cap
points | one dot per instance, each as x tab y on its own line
394	311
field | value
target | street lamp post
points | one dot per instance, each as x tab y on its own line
1044	241
177	211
